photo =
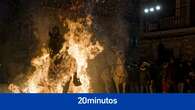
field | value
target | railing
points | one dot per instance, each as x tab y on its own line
172	22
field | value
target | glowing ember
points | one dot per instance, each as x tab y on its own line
77	50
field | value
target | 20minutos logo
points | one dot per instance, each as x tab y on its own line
86	100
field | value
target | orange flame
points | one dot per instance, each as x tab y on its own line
80	47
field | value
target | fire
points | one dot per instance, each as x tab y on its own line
79	46
82	49
32	84
40	74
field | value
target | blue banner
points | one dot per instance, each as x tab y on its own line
97	101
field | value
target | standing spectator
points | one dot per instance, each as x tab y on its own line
170	71
187	85
155	78
184	84
144	77
180	74
165	83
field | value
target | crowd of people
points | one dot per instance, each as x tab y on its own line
172	76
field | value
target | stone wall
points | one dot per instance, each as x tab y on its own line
180	45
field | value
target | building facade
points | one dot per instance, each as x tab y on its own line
173	27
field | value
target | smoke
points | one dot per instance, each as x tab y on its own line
111	30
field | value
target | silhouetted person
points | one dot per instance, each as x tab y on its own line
144	77
181	70
55	41
155	77
187	85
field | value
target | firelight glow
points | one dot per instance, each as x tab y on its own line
76	52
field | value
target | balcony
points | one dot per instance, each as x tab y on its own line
167	23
